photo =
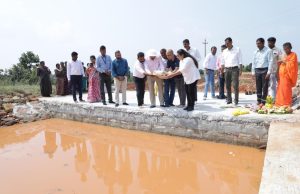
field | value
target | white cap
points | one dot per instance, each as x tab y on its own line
152	53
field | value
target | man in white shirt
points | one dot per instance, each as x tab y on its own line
194	52
75	73
139	76
154	65
261	68
232	65
210	66
273	71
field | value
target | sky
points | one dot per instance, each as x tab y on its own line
54	28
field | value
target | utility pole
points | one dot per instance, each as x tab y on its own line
205	43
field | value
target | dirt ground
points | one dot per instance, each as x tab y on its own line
246	83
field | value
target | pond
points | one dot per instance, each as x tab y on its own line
67	157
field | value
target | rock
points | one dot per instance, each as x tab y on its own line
32	98
21	111
2	113
16	98
7	100
27	93
8	107
22	100
9	123
7	119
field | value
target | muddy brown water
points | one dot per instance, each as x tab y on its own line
67	157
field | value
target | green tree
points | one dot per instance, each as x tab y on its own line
25	70
27	59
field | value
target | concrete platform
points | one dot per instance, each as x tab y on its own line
210	106
209	121
281	172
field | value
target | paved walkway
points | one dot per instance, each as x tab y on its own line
281	173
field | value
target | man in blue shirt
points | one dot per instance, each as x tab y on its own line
261	70
119	73
104	67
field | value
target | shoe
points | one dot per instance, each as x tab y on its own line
229	102
190	109
204	98
111	102
125	104
166	106
152	106
116	105
172	105
75	101
186	108
163	106
81	100
213	97
236	103
104	103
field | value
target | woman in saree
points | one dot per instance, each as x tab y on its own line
60	80
94	80
287	76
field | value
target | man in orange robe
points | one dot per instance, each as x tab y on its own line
288	73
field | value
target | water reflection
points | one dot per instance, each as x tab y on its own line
139	163
82	160
50	143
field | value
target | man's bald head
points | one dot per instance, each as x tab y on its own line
170	54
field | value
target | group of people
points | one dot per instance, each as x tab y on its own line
275	74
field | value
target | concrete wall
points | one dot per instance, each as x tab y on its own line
218	128
281	172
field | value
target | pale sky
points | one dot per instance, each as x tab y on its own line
54	28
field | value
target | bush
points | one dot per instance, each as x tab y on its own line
247	68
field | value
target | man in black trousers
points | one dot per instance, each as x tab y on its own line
104	67
74	73
139	76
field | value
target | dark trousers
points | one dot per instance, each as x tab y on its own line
262	84
221	85
181	90
232	76
105	80
196	94
169	91
140	89
191	94
76	81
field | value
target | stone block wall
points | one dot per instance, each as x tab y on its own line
217	128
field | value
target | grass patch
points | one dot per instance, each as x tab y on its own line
22	88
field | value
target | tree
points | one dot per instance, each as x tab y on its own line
25	70
28	58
